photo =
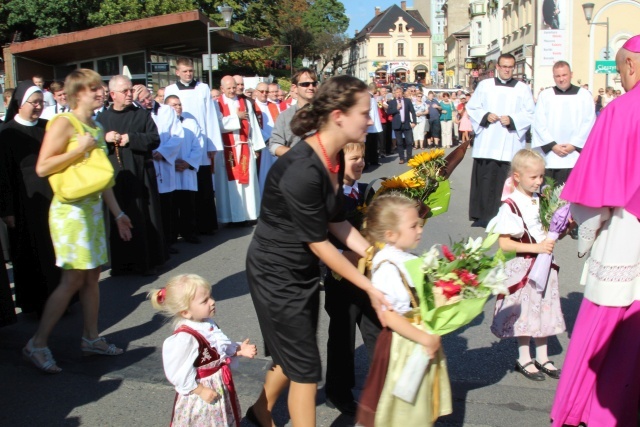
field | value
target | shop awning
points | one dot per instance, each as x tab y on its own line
182	33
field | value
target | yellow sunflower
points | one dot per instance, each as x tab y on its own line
425	157
400	183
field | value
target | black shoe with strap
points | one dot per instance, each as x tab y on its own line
533	376
553	373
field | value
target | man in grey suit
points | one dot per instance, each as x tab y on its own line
403	122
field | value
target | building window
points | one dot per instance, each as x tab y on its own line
420	49
479	32
399	28
380	49
400	49
108	66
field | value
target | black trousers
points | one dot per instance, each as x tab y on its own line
560	176
347	306
387	137
166	213
404	141
184	214
371	148
487	180
206	215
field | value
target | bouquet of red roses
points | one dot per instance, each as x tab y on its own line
453	284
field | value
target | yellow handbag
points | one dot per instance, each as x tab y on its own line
88	175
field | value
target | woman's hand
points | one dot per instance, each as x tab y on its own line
124	227
378	301
86	143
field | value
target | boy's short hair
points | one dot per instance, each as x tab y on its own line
353	146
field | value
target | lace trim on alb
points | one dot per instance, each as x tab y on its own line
586	233
614	273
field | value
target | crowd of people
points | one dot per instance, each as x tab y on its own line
191	157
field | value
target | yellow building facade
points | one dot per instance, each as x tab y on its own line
394	47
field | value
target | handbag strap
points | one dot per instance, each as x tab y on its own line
414	303
77	124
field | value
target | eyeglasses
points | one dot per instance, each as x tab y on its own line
261	91
36	103
307	84
124	92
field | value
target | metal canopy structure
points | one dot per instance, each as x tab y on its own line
177	33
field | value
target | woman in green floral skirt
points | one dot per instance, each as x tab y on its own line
77	228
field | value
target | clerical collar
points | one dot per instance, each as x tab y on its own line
24	122
572	90
509	83
182	86
235	98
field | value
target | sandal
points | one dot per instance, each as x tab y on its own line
41	358
89	347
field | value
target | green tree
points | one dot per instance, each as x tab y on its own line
39	18
326	16
115	11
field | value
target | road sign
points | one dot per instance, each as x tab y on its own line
159	67
433	73
606	67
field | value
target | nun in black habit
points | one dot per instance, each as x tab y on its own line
25	199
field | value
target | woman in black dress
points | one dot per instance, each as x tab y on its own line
25	198
301	203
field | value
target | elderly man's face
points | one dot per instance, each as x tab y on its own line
160	96
123	94
261	92
239	85
145	99
215	94
229	88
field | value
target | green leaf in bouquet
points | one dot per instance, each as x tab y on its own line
423	287
438	201
491	239
448	318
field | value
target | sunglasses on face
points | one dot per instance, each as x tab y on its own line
307	84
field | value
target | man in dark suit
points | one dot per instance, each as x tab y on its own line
403	122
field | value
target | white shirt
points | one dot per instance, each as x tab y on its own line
387	279
506	222
171	136
180	350
376	127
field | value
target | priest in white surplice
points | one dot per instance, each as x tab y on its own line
563	119
198	105
237	189
501	112
186	166
267	113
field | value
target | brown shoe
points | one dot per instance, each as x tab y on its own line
401	162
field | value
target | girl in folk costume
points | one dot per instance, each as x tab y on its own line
393	220
527	311
197	356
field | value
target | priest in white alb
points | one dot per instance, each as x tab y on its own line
238	192
501	112
198	105
563	119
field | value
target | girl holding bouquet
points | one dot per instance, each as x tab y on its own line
527	311
393	219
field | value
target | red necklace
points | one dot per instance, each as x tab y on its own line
330	166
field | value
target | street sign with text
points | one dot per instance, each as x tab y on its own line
606	67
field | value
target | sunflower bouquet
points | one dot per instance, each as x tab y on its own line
424	182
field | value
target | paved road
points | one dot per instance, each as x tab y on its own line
132	390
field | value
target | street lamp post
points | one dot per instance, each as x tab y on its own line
588	14
227	12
